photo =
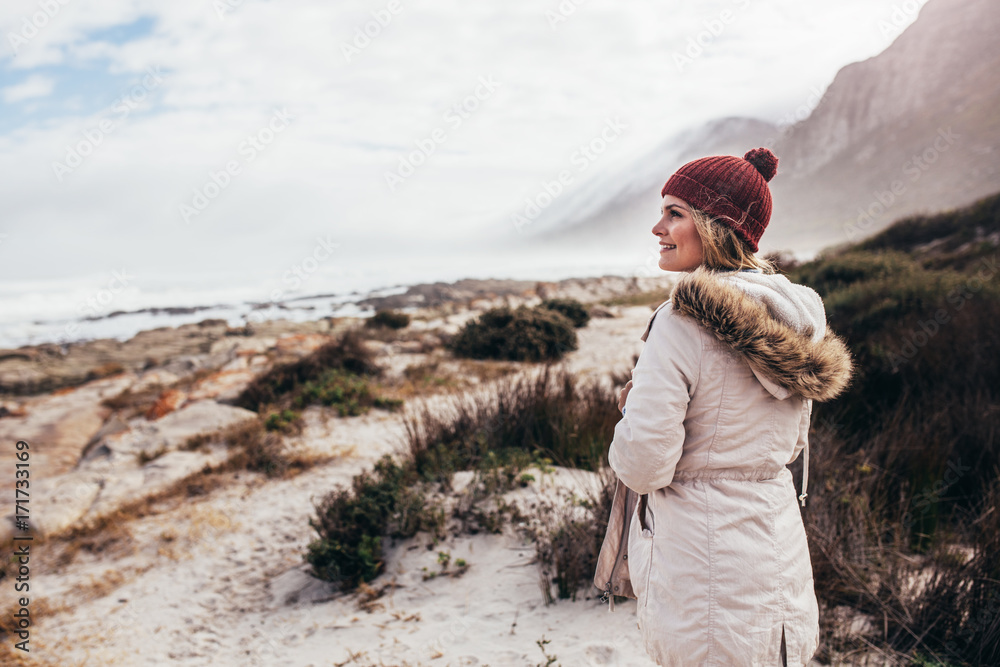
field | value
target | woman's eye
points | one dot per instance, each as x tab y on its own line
675	214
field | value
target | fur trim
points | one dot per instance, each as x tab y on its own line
817	370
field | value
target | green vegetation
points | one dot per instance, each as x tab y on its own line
286	421
338	374
575	311
521	334
527	422
392	319
907	462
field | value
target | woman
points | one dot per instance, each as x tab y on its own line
705	530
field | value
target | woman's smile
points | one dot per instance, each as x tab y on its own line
680	245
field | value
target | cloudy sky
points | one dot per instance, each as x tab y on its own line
206	148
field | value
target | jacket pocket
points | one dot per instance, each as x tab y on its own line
640	556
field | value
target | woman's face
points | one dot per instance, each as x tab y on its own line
680	245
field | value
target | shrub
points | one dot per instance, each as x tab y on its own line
522	334
348	392
286	421
389	318
571	308
258	449
903	523
550	415
527	420
336	375
347	353
351	523
567	541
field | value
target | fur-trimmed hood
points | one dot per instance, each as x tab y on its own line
778	326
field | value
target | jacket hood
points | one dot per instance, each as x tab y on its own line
778	326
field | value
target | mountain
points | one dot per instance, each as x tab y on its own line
911	130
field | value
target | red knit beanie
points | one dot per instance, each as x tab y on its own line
731	189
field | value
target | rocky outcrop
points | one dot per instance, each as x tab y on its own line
127	461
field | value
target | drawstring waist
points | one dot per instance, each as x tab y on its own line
744	475
734	474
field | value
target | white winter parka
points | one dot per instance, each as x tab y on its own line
705	529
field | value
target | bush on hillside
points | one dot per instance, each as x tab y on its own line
338	374
392	319
527	421
521	334
903	522
575	311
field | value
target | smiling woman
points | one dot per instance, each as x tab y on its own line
704	529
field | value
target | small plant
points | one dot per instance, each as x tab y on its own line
549	659
286	421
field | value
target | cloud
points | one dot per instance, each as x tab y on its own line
133	153
35	85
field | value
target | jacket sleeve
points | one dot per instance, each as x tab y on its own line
648	440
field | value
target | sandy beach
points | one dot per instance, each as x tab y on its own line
219	577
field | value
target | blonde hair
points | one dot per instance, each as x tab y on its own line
723	249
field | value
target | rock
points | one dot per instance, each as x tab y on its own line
154	476
168	401
154	377
110	474
58	426
224	385
122	449
59	502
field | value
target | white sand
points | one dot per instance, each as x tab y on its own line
221	579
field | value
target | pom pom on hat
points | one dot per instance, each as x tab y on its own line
764	160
